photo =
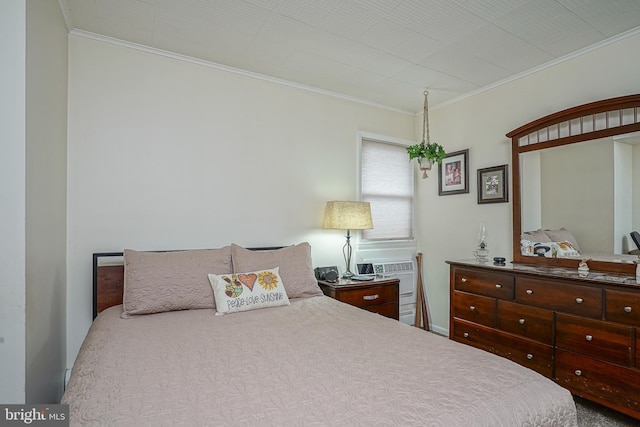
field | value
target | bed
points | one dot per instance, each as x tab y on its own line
313	361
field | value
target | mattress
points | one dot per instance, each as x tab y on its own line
317	362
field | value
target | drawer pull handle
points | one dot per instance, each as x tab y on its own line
463	280
529	291
529	356
472	307
578	372
521	321
627	309
498	285
371	297
466	335
579	300
589	337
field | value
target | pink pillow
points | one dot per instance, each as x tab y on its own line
537	236
166	281
562	235
294	262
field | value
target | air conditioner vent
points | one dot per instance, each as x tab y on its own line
393	267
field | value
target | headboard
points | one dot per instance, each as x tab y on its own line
108	278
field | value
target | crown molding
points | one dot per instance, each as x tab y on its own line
572	55
226	68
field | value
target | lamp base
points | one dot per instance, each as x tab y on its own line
347	275
347	251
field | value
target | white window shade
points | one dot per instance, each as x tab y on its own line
387	183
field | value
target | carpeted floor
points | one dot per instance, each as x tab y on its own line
593	415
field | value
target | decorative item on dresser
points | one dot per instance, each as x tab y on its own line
583	331
380	295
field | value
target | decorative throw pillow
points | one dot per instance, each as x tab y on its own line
543	249
555	249
248	291
526	247
562	235
294	263
566	249
537	236
165	281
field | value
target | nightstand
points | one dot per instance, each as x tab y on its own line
379	295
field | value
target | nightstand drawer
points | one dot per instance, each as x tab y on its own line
388	310
380	295
372	295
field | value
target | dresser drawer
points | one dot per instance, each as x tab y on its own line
552	295
622	307
602	380
533	355
474	308
369	296
599	339
491	284
529	322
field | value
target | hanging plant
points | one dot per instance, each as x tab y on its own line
426	152
432	151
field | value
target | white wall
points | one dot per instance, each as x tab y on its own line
46	199
623	197
578	192
12	201
531	200
167	154
448	225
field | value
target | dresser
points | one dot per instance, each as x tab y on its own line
380	295
582	332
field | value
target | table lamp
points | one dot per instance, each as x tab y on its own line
348	216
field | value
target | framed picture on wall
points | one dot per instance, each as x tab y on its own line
493	184
453	174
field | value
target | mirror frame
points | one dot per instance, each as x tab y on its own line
600	119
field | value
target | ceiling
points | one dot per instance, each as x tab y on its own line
381	51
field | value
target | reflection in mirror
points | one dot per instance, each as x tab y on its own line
586	188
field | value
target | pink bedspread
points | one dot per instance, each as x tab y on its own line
317	362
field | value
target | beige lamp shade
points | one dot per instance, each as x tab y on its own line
348	215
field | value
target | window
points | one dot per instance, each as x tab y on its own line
387	183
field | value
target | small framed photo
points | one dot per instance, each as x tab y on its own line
493	184
453	174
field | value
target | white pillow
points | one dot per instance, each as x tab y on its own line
248	291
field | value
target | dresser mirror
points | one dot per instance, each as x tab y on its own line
564	180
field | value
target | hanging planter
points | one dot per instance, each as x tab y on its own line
425	165
427	155
426	152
